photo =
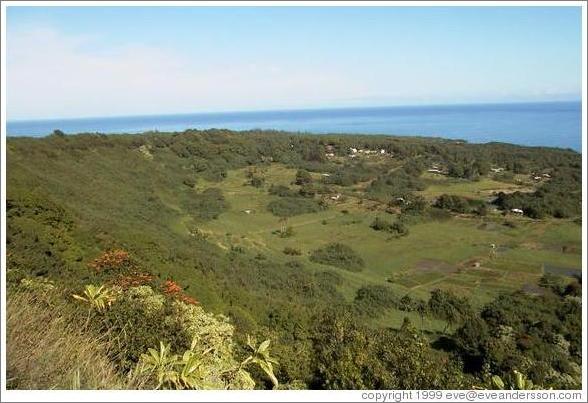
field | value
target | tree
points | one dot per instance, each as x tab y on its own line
449	307
471	341
303	177
351	356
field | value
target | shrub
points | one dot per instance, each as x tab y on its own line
291	206
397	228
303	177
208	204
457	204
395	184
292	251
307	190
163	369
153	318
449	307
282	191
257	181
133	279
373	300
338	255
411	304
116	260
415	205
189	182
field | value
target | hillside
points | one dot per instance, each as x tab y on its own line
475	249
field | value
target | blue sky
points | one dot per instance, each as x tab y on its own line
106	61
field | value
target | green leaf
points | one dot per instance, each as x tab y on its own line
497	382
263	346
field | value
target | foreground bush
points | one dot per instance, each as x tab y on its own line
104	338
203	341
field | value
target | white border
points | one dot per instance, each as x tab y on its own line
267	396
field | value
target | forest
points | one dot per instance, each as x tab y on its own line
214	259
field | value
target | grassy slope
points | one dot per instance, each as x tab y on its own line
46	350
121	197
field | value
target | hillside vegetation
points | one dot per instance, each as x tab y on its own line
233	260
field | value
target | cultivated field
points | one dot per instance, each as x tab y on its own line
451	254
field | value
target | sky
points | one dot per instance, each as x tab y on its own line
66	62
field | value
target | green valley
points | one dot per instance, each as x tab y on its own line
291	237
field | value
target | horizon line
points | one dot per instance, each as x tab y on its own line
252	111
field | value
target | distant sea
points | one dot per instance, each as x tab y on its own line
553	124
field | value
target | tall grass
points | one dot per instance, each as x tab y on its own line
48	348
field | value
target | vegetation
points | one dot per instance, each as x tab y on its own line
338	255
291	206
560	197
457	204
397	228
217	236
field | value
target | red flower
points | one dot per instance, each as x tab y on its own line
116	259
171	288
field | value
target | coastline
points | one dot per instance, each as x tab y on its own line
530	124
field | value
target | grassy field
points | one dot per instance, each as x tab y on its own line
454	254
440	184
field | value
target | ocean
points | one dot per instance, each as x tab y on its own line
552	124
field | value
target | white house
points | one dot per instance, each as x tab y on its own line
516	211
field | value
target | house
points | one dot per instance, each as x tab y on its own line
546	176
434	170
497	170
537	178
336	197
353	150
247	211
329	148
382	151
329	155
326	175
516	211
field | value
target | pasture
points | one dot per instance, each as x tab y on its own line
453	254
